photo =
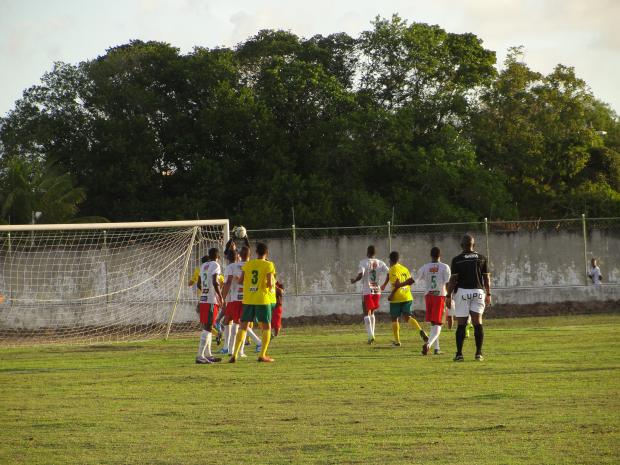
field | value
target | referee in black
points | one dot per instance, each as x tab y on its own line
470	283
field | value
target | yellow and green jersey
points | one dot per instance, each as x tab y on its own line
255	289
402	274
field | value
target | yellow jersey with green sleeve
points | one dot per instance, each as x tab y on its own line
195	278
255	289
400	273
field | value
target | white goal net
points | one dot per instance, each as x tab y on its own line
92	283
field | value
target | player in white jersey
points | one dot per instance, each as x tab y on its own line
210	301
369	269
595	273
435	276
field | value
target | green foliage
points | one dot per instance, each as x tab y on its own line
340	128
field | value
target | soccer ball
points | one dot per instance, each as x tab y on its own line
240	232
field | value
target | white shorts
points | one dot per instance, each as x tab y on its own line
469	300
452	309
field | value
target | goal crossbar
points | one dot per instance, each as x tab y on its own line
129	225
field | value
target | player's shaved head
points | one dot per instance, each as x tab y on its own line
245	253
394	257
467	242
435	253
370	251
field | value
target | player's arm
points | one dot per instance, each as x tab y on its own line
385	283
487	287
357	278
216	288
226	288
270	280
450	289
195	277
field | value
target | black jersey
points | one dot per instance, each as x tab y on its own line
469	267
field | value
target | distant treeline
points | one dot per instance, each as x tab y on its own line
341	128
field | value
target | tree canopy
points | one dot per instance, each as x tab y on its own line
341	129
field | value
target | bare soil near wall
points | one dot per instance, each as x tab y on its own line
495	311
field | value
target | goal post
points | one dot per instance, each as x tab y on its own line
101	282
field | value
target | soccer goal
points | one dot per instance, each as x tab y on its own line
104	282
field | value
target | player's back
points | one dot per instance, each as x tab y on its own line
436	276
207	271
255	288
469	267
370	269
401	273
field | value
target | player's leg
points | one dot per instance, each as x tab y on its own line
246	318
462	314
263	315
212	316
372	306
395	311
434	315
276	320
367	323
410	318
476	311
203	310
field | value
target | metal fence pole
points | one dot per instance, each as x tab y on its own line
295	259
486	234
585	247
389	237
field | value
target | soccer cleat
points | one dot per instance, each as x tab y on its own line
266	359
479	358
218	338
214	359
232	359
243	356
371	340
203	361
459	358
425	349
423	336
437	352
395	344
258	348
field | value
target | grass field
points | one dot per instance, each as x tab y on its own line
547	393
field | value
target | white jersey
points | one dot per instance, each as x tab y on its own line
207	271
370	269
595	275
435	275
235	293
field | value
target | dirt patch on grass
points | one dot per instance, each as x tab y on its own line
496	311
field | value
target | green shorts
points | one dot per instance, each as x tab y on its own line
400	308
257	313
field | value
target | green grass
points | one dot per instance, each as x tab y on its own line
547	393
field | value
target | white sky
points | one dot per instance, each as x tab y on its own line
35	33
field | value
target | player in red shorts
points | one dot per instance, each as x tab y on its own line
369	269
435	276
210	300
276	314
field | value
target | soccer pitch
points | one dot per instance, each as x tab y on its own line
547	393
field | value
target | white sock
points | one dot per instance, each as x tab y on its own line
227	329
203	341
368	325
437	332
254	337
232	338
372	323
208	344
432	335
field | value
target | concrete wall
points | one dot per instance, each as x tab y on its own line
138	284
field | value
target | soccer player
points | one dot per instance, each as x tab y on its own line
435	275
369	268
210	300
230	293
276	317
595	273
258	277
401	300
471	280
195	279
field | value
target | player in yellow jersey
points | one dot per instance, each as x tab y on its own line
401	300
258	277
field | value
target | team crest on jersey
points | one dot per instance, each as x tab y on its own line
434	269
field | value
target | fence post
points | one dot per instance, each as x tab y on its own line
295	259
486	235
585	247
389	237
